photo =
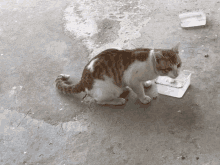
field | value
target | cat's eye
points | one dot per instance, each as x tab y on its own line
165	71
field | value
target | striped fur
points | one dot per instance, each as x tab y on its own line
106	76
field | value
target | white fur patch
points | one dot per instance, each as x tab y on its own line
139	70
119	48
87	91
151	52
90	66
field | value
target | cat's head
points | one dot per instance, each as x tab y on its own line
168	62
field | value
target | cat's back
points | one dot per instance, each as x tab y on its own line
126	56
114	54
116	59
109	58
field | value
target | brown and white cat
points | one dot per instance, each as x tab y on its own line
108	74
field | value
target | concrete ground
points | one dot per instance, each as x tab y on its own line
39	39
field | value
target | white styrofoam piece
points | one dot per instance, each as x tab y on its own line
174	91
192	19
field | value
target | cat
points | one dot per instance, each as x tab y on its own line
107	75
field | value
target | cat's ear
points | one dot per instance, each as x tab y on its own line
176	48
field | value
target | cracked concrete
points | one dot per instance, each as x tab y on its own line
41	39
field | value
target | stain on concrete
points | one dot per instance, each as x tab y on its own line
107	32
97	14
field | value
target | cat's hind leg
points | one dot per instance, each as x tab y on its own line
106	92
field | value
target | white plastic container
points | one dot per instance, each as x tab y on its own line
192	19
174	87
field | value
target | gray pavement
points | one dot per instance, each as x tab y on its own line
41	39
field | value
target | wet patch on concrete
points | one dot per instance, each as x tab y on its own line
88	21
106	33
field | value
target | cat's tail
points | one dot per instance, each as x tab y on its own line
66	87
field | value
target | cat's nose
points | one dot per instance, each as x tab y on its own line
176	74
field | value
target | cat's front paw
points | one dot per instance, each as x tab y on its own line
154	94
121	101
145	99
